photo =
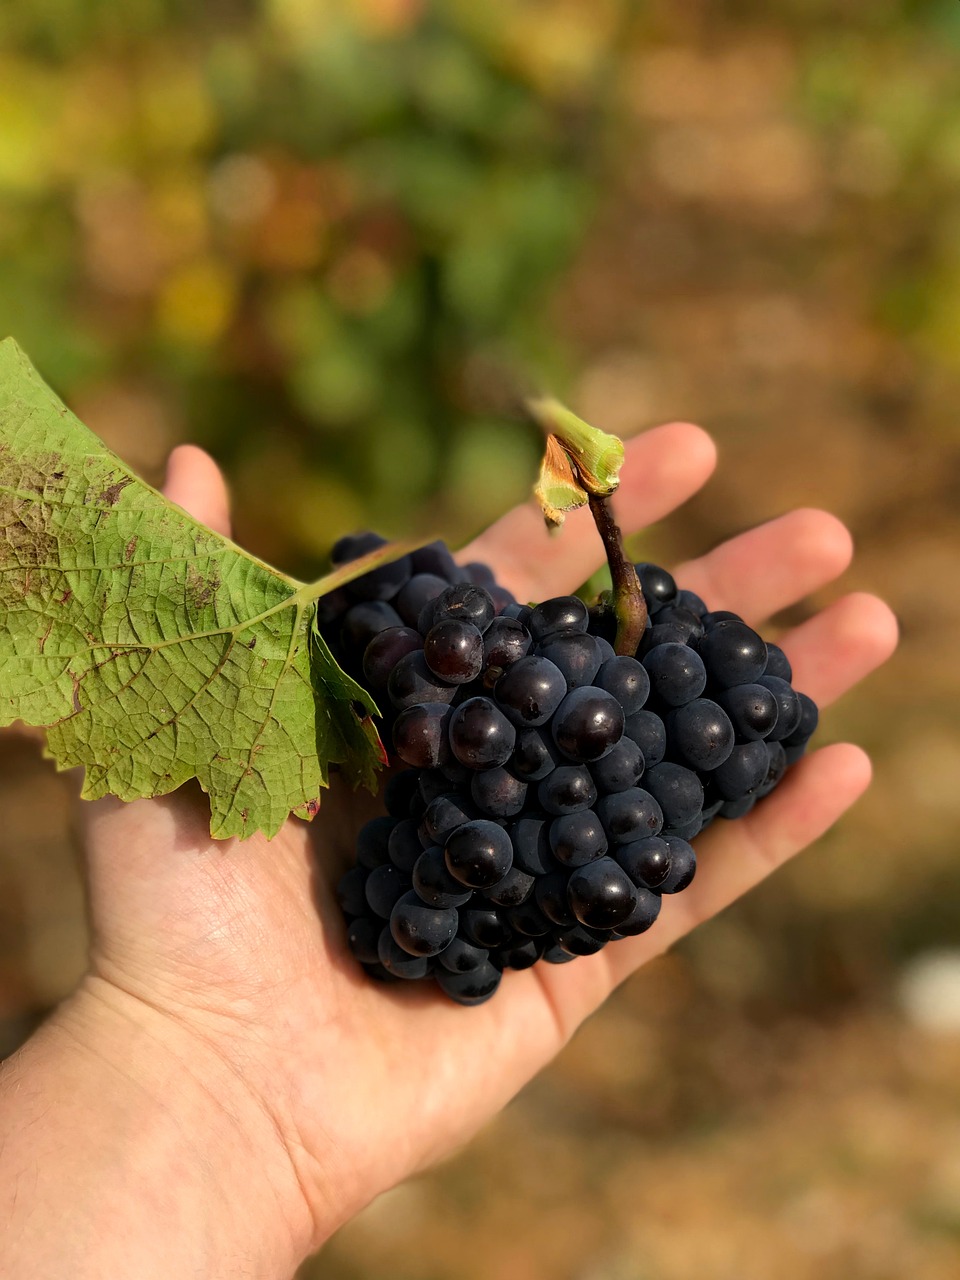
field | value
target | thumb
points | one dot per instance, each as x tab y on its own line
196	483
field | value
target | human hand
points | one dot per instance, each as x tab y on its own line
234	954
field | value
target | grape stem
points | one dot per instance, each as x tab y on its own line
628	603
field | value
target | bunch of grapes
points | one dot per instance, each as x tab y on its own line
554	786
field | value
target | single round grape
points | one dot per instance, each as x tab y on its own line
412	683
384	886
481	575
454	651
433	783
752	709
462	956
550	894
435	558
530	691
471	988
404	845
420	734
484	926
737	808
677	674
662	633
683	865
531	845
434	883
512	891
641	917
527	919
354	545
743	771
809	719
621	768
657	585
381	583
400	789
505	642
686	626
363	936
566	790
580	940
372	842
463	602
677	790
418	592
647	730
646	861
421	929
575	653
497	793
733	653
627	680
350	891
778	664
384	652
399	963
700	731
555	954
479	853
690	600
364	621
577	838
332	606
480	735
521	955
713	616
776	768
630	815
789	707
588	724
444	814
563	613
534	755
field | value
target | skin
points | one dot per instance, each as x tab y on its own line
225	1063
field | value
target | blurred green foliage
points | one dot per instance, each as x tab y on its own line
316	236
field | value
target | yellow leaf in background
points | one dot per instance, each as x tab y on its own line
196	303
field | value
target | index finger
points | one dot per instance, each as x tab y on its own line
662	469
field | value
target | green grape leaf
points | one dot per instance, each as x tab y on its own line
153	649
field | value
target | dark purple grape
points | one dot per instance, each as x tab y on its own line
481	575
399	963
778	664
412	683
404	846
471	988
505	642
743	771
354	545
575	653
479	853
646	729
497	793
454	651
733	653
433	783
678	791
701	733
789	707
630	815
601	894
550	894
400	789
462	956
566	790
646	862
579	940
527	919
752	709
512	891
588	724
530	691
809	718
677	674
657	585
384	652
418	592
534	755
421	929
690	600
555	954
381	583
522	955
444	814
332	606
481	736
531	845
737	808
577	838
384	886
484	926
563	613
372	842
620	769
363	621
463	602
434	883
435	558
776	767
627	680
363	935
641	917
420	734
685	625
350	891
683	865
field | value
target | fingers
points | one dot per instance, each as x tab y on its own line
662	469
772	566
842	644
195	482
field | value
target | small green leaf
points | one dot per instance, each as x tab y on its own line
595	456
153	649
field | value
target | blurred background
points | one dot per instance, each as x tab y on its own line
329	240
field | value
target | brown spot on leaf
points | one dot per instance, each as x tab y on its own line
66	595
201	588
130	548
253	643
110	496
43	638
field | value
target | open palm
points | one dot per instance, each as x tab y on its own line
241	948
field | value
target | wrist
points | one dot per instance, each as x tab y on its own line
172	1165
